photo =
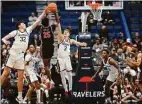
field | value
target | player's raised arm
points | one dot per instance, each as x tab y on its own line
83	44
37	22
59	30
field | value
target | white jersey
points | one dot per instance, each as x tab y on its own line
64	49
111	68
31	59
21	39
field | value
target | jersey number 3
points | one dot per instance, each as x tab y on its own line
65	47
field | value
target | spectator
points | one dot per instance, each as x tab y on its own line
136	89
104	35
113	54
129	54
121	56
35	40
97	46
137	40
134	48
121	38
107	18
128	42
90	21
115	44
32	19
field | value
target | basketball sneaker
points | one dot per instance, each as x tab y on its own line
19	100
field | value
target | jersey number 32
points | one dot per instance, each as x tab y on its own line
22	39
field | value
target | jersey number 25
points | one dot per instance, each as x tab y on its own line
46	34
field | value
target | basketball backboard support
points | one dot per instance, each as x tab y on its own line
82	4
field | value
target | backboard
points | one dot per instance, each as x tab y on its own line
83	4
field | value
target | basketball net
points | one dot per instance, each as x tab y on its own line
96	9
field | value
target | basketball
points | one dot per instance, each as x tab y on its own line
52	7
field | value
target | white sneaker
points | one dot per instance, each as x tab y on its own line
26	102
19	100
4	101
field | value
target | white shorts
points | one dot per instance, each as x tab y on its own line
33	77
32	74
112	77
16	60
65	64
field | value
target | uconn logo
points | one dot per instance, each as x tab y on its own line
66	44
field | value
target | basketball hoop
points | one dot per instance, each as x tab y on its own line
96	10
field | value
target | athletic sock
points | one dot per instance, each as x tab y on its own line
20	95
38	95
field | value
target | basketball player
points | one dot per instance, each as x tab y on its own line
137	64
16	58
113	69
30	60
64	56
47	37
